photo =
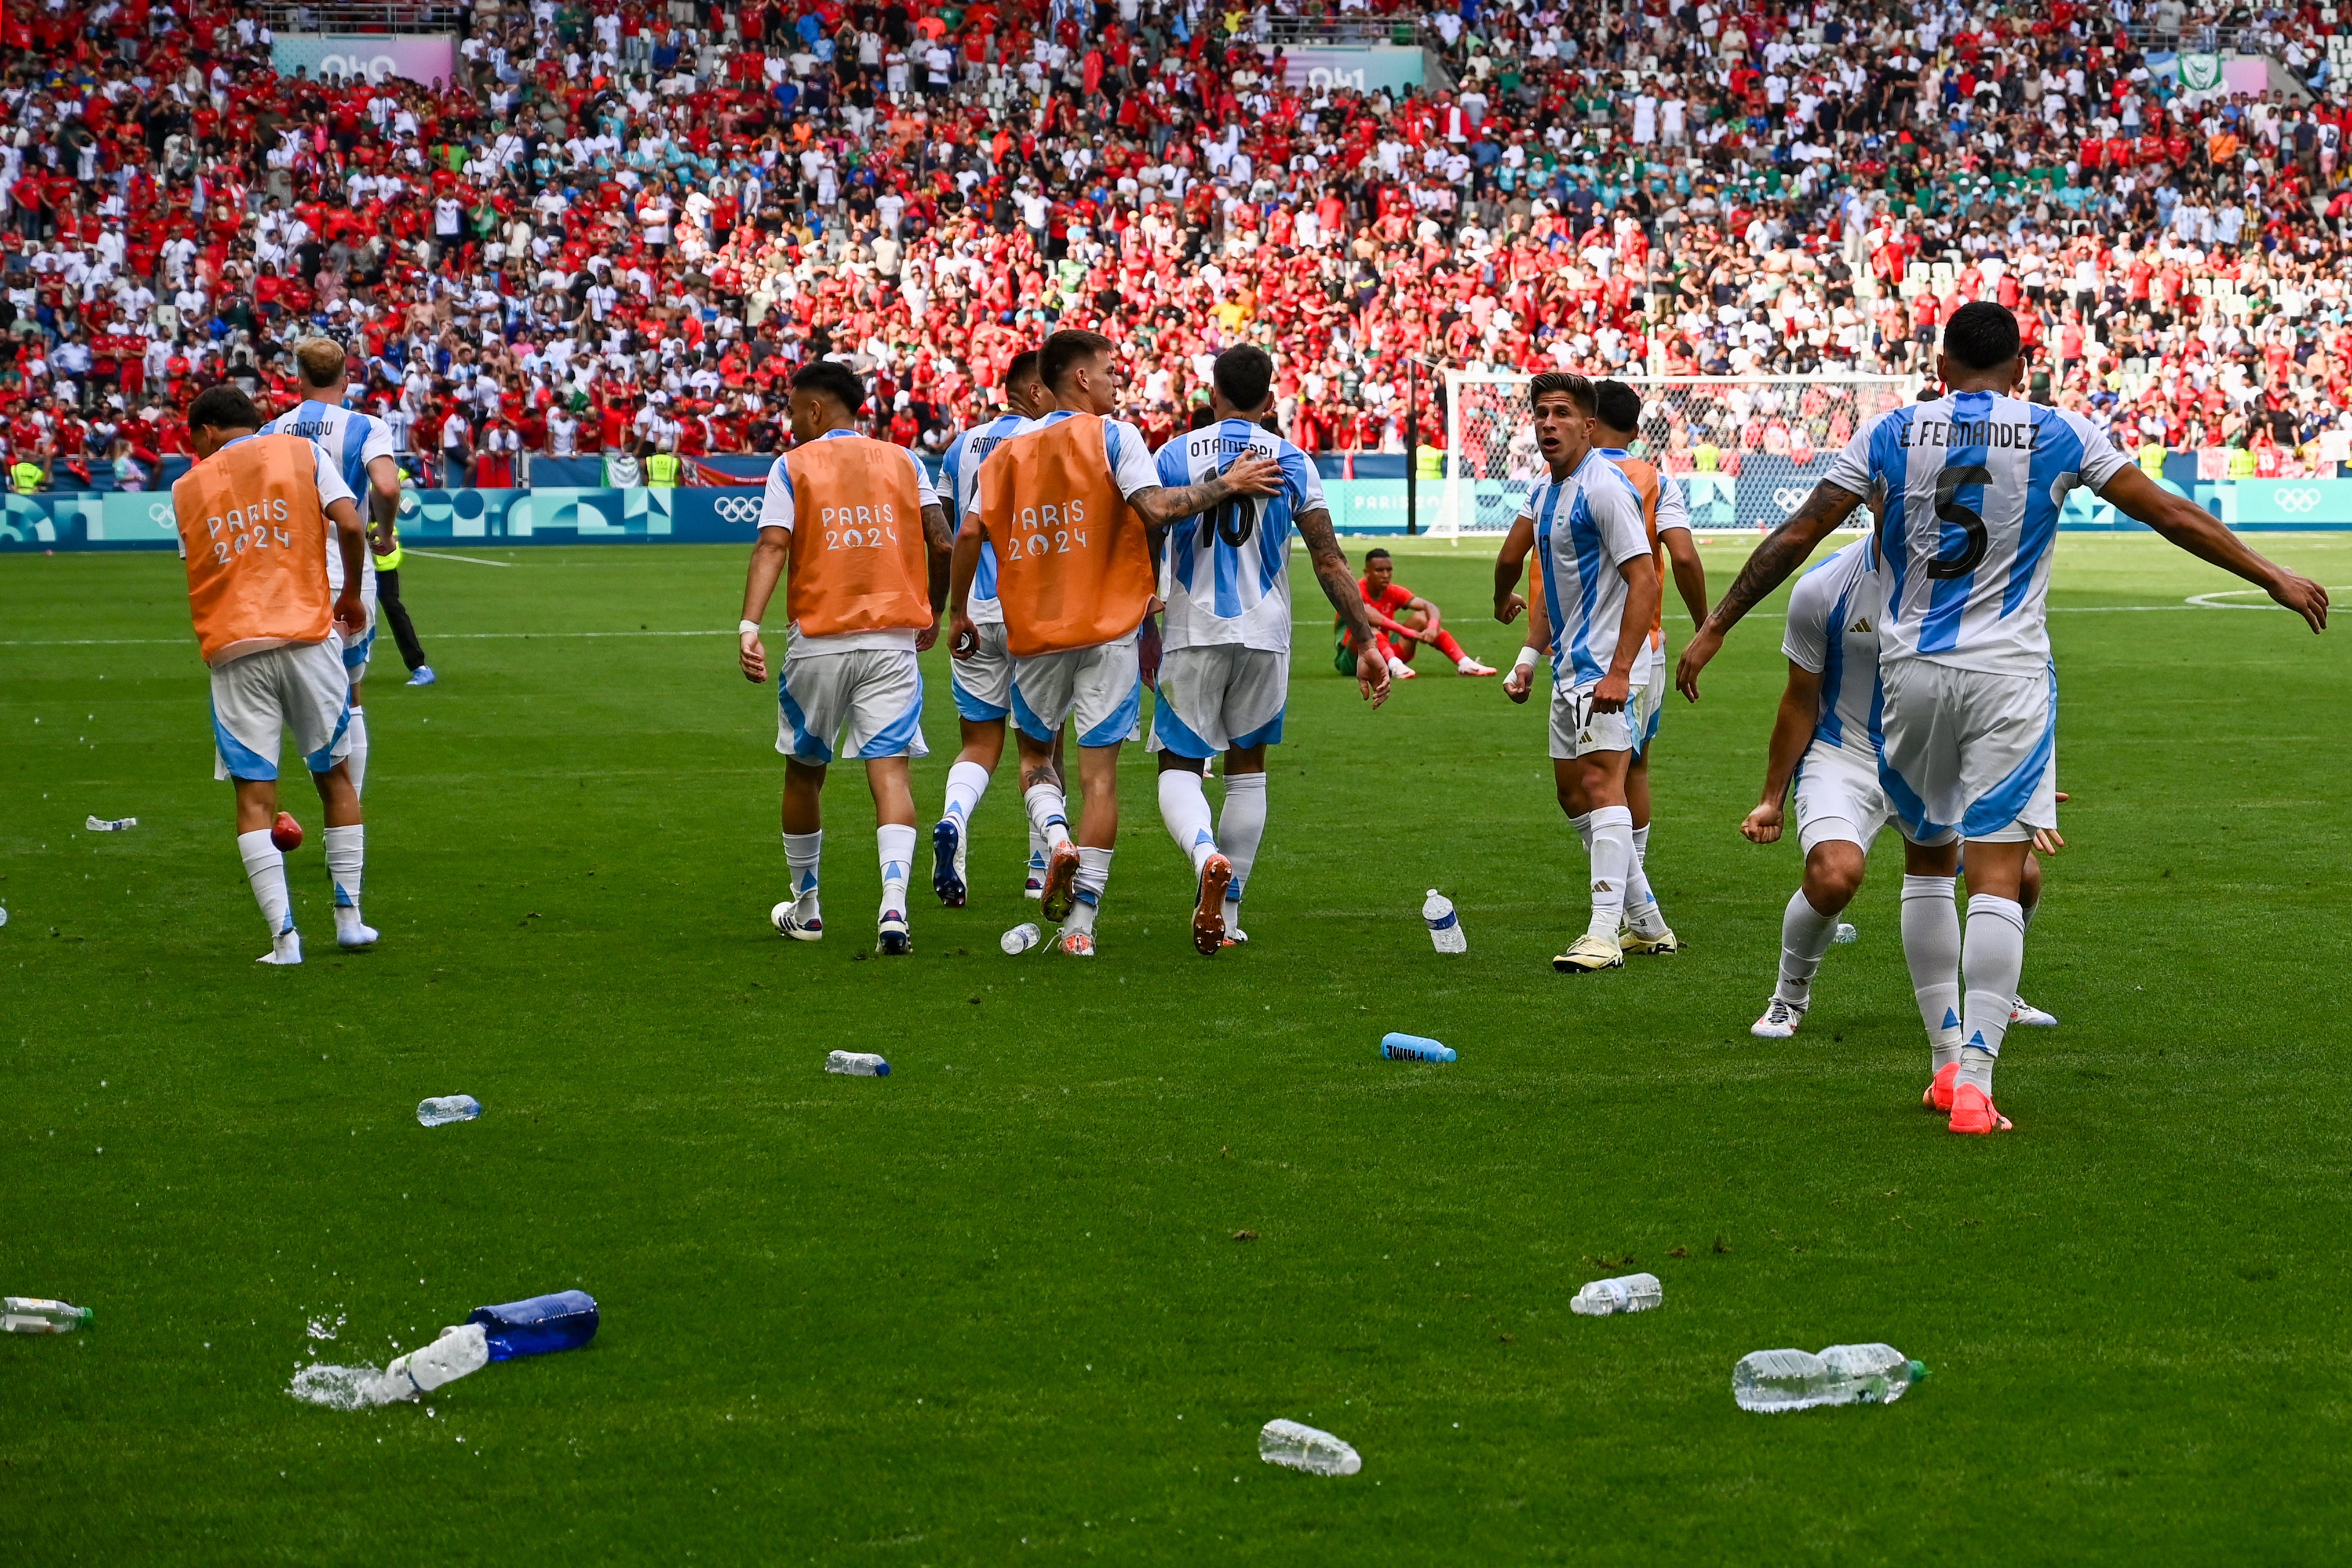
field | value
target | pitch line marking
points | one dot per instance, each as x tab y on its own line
445	555
2210	601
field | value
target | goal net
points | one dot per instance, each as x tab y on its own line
1745	450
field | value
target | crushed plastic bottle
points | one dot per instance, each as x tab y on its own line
110	824
1444	926
1844	933
1842	1375
462	1350
562	1321
1021	938
444	1109
39	1315
1399	1047
860	1064
1625	1293
1304	1447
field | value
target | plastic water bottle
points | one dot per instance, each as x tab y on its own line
38	1315
1021	938
1844	933
461	1350
444	1109
563	1321
1444	925
1304	1447
860	1064
1398	1047
1626	1293
1842	1375
110	824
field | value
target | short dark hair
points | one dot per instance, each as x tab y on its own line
1245	374
1554	382
1617	405
1981	334
1375	553
1023	368
223	407
835	380
1065	348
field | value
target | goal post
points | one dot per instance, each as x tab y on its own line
1746	449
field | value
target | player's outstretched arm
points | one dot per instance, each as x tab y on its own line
1338	585
1160	505
2185	523
1781	553
963	565
1511	564
1522	679
1793	730
769	553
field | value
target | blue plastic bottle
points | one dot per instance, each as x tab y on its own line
564	1321
1414	1048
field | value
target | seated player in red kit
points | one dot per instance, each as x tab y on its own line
1405	621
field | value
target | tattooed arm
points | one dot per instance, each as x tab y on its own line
1783	551
1246	476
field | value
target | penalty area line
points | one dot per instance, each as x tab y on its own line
446	555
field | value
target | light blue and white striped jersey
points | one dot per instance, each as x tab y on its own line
1226	576
962	471
1974	483
1832	632
1588	526
350	440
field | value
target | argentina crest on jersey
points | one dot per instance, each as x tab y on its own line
1974	484
1227	569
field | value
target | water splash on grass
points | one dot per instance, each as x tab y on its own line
343	1388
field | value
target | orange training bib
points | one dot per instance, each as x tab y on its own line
1073	560
256	539
858	562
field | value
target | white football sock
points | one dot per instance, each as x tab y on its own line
1049	814
1641	911
265	868
967	782
1584	825
1241	825
1993	958
346	854
1931	947
896	844
355	761
1612	861
1185	809
1805	934
802	852
1093	876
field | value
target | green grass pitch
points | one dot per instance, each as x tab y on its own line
992	1309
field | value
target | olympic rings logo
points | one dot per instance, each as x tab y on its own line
736	509
162	511
1788	499
2296	500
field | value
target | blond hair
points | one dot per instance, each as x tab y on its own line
322	360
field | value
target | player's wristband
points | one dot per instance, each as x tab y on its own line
1527	659
745	629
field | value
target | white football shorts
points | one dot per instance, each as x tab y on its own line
1966	754
875	694
1838	798
1651	686
300	687
1213	699
1101	687
1578	731
355	654
982	684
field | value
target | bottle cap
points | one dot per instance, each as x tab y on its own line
1918	1370
86	1315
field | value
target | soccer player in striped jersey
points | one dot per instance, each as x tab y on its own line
1825	739
360	448
1615	425
856	524
1974	481
1594	597
983	682
1224	676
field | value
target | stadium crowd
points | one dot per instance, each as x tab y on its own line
621	226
